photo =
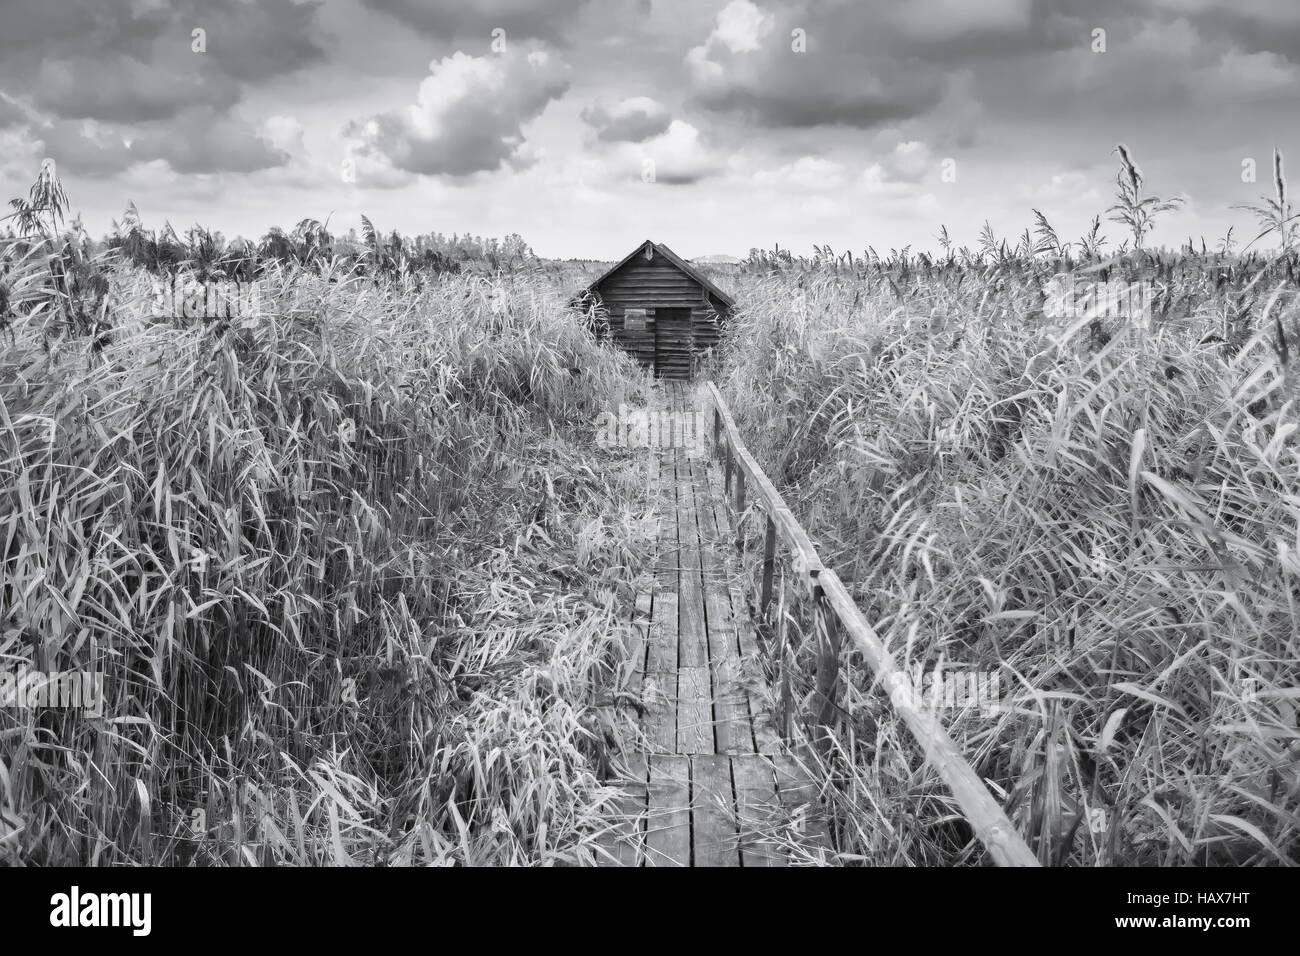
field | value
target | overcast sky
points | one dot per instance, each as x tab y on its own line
825	121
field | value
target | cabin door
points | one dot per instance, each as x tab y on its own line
674	343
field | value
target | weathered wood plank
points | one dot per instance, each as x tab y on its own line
666	555
694	711
639	641
660	696
662	655
766	738
758	811
659	691
625	843
693	636
798	796
713	812
732	731
668	815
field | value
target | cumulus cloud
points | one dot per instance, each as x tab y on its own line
134	62
748	66
84	146
1155	64
910	162
126	90
374	171
284	133
631	120
741	27
468	116
202	140
199	140
114	85
679	156
859	123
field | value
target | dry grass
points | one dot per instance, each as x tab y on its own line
1109	519
352	574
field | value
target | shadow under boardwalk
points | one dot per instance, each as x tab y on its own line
714	784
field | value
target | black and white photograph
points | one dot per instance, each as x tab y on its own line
650	434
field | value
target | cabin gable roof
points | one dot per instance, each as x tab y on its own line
677	262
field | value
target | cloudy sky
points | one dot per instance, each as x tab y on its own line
588	125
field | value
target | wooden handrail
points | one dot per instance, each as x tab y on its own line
831	597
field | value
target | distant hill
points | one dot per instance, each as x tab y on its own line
716	261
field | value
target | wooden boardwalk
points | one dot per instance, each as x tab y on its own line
713	784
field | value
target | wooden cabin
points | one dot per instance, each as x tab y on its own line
660	309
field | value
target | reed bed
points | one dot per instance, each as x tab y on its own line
1105	516
350	569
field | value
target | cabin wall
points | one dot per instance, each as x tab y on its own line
651	285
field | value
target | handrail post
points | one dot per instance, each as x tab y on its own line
769	564
783	653
740	510
828	669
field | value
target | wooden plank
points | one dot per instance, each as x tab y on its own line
659	692
652	485
694	711
638	642
693	637
662	656
758	811
625	842
713	812
667	554
732	730
798	797
668	815
766	738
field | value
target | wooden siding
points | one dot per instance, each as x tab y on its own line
674	342
658	284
